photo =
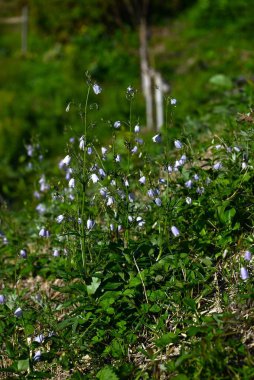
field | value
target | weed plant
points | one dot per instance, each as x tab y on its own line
135	261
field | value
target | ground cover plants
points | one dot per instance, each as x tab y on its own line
134	260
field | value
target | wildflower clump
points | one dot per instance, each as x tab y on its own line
137	253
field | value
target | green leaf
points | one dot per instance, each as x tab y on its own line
23	365
91	289
221	80
165	339
106	373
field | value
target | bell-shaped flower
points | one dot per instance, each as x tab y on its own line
217	166
244	273
142	180
18	312
102	173
158	202
72	183
37	356
178	144
23	253
90	224
175	231
117	124
156	138
60	218
94	178
67	159
82	143
137	128
97	89
247	255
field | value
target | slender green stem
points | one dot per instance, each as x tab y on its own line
126	239
84	181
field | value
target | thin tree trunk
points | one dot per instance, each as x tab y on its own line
145	73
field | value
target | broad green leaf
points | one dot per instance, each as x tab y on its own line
23	365
106	373
165	339
221	80
91	289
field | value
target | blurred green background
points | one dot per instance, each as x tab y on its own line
203	49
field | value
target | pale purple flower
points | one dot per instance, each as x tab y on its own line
175	231
139	141
82	143
196	177
41	208
130	218
188	184
244	165
151	193
126	182
137	128
67	159
244	273
173	102
140	221
110	201
102	173
218	146
44	233
142	180
103	150
72	183
23	253
68	174
188	200
134	149
217	166
56	252
113	182
97	89
157	201
89	150
37	356
178	144
237	149
247	255
43	184
2	299
111	227
117	124
119	228
30	150
60	218
200	190
18	312
94	178
170	169
39	338
103	192
162	180
118	158
72	140
37	195
90	224
156	138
